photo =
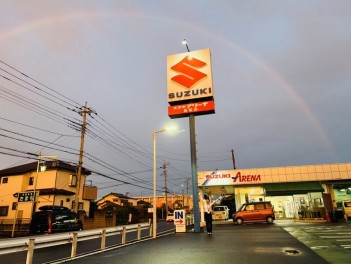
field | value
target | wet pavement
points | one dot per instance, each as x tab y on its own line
229	243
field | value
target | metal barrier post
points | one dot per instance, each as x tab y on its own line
103	239
124	233
139	232
74	245
30	251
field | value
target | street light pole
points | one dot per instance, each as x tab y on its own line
40	157
154	208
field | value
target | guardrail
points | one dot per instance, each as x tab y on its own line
189	221
29	244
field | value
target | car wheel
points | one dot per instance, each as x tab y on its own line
270	220
239	221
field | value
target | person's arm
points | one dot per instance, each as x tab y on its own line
216	201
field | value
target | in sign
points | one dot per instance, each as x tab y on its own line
178	214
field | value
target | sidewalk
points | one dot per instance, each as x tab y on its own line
229	243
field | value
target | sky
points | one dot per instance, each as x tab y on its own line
281	81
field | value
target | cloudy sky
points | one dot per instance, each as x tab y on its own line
281	78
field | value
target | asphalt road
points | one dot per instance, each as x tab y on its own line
229	243
283	242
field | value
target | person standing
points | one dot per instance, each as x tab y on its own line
208	212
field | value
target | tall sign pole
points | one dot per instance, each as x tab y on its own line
194	182
190	93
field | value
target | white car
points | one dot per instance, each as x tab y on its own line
220	212
170	217
347	208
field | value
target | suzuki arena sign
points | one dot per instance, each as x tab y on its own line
216	178
189	80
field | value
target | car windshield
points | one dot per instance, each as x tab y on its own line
218	209
241	208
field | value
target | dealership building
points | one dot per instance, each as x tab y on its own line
295	191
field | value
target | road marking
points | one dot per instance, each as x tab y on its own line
321	247
331	236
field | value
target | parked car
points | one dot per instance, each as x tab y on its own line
347	208
220	212
53	219
254	212
170	217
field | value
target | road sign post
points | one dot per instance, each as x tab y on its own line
180	221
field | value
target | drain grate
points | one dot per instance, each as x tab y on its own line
292	251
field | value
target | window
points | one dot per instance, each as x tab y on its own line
250	207
259	206
31	181
4	210
73	180
14	205
4	180
80	205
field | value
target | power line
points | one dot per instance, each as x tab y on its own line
37	128
27	76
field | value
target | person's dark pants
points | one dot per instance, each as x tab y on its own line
208	219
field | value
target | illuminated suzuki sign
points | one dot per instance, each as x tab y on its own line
189	77
227	178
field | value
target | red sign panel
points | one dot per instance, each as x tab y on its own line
198	108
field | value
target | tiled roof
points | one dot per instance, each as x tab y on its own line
51	165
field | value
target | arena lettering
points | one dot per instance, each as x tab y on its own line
246	178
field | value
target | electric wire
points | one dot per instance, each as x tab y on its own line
27	76
113	140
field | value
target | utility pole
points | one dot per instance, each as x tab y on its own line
187	191
164	167
233	157
83	112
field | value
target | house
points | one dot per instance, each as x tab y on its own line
116	199
56	185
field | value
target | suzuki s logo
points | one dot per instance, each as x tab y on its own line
189	75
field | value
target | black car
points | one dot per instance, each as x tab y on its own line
53	219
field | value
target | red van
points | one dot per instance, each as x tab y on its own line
254	212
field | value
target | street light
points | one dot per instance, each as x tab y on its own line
42	168
184	42
154	210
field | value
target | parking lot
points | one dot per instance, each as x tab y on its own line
285	242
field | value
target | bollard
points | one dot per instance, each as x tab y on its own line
74	245
103	239
139	232
124	233
30	251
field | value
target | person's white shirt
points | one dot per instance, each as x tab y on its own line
208	206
